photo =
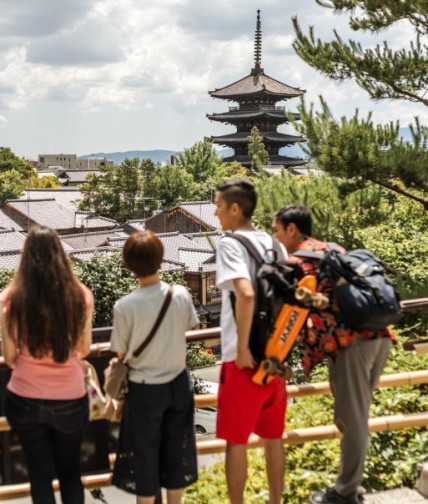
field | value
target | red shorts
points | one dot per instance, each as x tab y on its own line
244	407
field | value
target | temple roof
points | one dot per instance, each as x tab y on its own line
270	136
237	115
256	84
273	160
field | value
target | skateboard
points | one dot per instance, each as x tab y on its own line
288	325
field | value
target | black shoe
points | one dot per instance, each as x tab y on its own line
331	496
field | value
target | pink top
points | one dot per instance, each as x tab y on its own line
44	378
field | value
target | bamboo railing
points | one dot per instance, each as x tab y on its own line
296	436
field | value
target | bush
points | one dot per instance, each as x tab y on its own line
109	280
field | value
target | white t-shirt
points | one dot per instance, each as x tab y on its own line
233	262
134	316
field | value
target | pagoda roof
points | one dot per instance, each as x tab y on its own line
288	162
256	84
237	115
270	136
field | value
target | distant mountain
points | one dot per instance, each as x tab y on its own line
157	156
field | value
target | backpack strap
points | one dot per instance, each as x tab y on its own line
307	254
249	246
312	254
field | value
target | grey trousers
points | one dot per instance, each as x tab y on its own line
353	376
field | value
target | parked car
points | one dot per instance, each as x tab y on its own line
205	420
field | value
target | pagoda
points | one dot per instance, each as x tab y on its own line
257	95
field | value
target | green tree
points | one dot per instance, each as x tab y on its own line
384	73
43	182
115	194
172	184
12	183
9	161
256	150
201	161
362	152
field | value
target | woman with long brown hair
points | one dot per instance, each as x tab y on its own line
46	322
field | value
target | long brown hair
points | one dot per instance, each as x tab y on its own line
47	303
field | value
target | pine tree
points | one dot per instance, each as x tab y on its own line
256	150
356	148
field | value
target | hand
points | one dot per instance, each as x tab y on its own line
244	359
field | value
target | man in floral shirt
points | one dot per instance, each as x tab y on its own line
355	359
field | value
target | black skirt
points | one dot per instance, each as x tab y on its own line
157	446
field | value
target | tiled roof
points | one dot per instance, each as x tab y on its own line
88	254
79	176
9	260
172	266
196	259
65	196
89	240
117	242
202	210
47	212
253	84
205	240
237	115
272	136
136	225
273	160
7	221
171	243
11	240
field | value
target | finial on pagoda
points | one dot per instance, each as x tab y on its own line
257	47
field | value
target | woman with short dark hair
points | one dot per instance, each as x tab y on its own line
157	438
46	325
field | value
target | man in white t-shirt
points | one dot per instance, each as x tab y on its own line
243	406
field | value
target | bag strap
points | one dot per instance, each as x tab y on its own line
312	254
248	244
157	323
307	254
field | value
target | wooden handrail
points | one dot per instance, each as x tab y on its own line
294	391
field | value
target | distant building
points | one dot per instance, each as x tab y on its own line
48	212
186	217
257	95
67	161
93	163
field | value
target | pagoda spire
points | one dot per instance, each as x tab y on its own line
257	47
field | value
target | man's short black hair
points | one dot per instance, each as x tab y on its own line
299	215
239	191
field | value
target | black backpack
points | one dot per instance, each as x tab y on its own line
366	298
276	282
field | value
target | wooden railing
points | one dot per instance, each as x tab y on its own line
296	436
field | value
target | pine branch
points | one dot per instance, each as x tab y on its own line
382	72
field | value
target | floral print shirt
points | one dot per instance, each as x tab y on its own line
325	335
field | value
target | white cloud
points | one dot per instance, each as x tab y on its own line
131	56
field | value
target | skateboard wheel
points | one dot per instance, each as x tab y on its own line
286	373
319	301
267	366
304	295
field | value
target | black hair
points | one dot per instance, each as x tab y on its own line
297	214
239	191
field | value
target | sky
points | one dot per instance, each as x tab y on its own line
85	76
